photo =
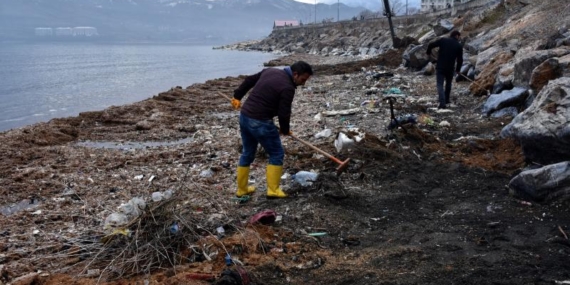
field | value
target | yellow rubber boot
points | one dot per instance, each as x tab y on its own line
273	178
242	179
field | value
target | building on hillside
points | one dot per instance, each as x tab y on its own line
67	32
63	31
85	31
43	32
278	24
436	5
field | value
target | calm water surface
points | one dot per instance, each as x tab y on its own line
39	82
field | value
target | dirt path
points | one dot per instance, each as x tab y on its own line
422	205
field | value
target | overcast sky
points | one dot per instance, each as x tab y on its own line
364	3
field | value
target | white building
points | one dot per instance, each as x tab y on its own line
43	32
85	31
436	5
63	31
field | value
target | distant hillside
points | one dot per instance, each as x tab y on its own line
219	21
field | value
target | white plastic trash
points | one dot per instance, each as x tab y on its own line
115	220
157	196
221	231
206	173
324	133
127	209
305	178
318	117
343	142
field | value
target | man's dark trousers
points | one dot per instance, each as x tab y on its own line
442	75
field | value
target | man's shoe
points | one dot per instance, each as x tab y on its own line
273	174
441	107
242	179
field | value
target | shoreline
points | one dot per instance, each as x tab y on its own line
62	83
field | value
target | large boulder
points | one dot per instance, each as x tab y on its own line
507	98
486	56
564	63
475	44
506	74
544	72
544	184
526	62
415	56
543	129
442	27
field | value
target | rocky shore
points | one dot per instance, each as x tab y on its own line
428	201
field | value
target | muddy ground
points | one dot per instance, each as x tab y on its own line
423	204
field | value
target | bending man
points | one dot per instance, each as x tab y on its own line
272	96
450	51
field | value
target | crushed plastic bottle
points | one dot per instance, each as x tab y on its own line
168	194
157	196
133	208
305	178
115	220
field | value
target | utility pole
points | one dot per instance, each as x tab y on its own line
338	10
389	15
406	7
315	12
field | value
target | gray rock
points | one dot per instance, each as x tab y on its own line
506	112
543	129
415	56
507	98
442	27
526	62
547	183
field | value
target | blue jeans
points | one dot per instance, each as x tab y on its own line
447	76
264	132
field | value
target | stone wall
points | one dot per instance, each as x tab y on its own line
367	37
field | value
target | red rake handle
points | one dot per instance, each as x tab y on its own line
318	149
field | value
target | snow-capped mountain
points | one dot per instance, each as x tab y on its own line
162	20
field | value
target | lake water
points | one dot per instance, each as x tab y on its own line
39	82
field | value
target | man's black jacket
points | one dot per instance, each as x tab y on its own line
450	50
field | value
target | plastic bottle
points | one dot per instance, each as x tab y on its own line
305	178
157	196
116	220
168	194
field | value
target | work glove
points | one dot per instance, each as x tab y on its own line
287	134
236	103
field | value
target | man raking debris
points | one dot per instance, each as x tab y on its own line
272	95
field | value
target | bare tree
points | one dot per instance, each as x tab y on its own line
413	10
367	14
397	7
